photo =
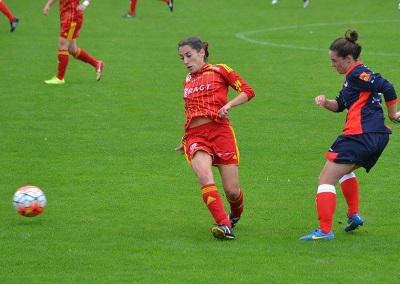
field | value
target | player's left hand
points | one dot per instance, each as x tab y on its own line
223	112
81	8
397	120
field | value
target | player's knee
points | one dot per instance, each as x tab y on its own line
72	51
204	177
232	192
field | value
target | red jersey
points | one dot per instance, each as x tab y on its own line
206	91
68	12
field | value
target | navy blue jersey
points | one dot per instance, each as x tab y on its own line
361	96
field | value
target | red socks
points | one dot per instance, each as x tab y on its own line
63	58
326	205
236	206
213	201
6	11
349	185
85	57
133	7
326	200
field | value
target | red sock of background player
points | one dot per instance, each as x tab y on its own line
349	185
237	205
6	11
63	58
326	205
213	201
133	7
85	57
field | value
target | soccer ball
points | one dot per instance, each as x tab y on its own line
29	201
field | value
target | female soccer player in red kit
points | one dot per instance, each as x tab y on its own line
71	18
132	10
209	138
13	20
364	136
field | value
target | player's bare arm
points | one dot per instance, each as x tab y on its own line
238	100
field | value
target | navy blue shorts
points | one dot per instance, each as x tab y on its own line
362	150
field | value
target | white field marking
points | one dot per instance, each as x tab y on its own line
246	36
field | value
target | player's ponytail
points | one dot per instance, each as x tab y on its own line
205	46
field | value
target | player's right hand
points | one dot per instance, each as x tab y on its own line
320	100
46	10
180	149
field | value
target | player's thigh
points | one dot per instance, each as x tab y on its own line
202	166
332	172
63	43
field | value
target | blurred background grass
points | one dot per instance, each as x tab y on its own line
123	207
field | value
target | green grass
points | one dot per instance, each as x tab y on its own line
123	207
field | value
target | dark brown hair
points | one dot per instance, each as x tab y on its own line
196	44
347	45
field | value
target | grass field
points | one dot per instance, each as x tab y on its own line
124	207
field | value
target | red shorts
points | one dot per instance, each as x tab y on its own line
218	140
71	30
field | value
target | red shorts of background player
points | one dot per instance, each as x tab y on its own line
218	140
71	30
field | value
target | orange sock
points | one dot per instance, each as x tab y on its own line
85	57
349	185
213	201
236	206
6	11
326	205
63	58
